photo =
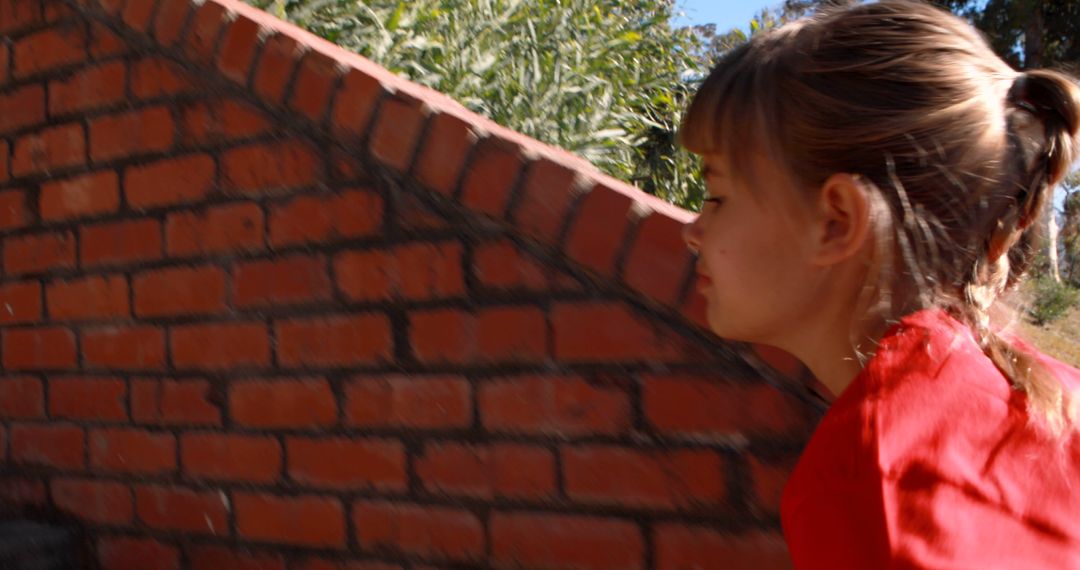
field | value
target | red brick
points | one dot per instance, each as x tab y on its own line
516	334
180	291
445	149
39	348
300	520
112	7
230	457
505	470
120	242
355	103
49	49
599	228
181	509
783	362
415	216
124	347
173	402
656	479
6	201
143	131
220	346
694	309
167	182
104	502
328	564
345	166
679	547
431	532
23	491
87	398
602	332
20	302
565	541
132	451
17	15
282	403
324	218
104	42
688	405
269	167
127	553
33	253
94	297
411	401
549	190
492	174
221	121
769	478
56	12
315	79
49	149
339	463
501	265
156	76
203	30
442	335
337	340
290	280
278	58
91	88
170	20
228	228
238	46
82	196
137	14
397	131
659	260
13	208
21	397
553	405
212	557
22	107
4	63
55	445
415	271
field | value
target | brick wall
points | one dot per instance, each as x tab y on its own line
265	305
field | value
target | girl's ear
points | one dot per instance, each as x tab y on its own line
841	223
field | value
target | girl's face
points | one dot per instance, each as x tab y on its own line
754	244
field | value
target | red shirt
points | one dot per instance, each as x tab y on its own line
927	461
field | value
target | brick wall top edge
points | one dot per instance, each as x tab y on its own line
431	103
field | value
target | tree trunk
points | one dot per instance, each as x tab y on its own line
1033	57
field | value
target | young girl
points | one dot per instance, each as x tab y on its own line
876	177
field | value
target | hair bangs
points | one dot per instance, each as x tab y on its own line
717	111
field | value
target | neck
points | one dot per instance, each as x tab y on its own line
828	352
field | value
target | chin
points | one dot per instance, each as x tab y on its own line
728	329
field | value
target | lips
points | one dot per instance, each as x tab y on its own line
702	281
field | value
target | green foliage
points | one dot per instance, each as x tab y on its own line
1070	231
1052	300
605	80
1026	33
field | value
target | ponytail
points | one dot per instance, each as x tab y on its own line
1051	100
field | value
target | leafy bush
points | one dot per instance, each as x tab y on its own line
1052	300
606	79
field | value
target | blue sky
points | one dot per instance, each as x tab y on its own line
726	14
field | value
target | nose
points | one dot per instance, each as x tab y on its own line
691	234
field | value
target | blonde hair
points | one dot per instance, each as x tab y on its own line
957	148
